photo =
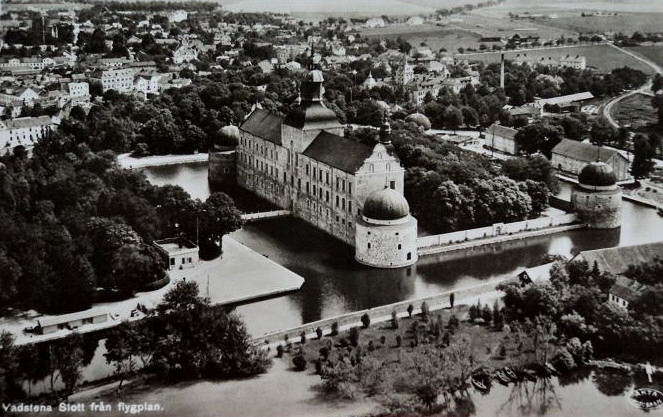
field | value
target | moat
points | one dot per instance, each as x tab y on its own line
337	284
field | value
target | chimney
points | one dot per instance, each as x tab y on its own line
502	72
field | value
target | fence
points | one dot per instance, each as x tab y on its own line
495	230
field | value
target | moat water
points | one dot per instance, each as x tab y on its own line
336	284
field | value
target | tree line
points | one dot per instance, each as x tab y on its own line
77	228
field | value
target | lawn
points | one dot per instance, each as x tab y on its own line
652	52
636	110
602	57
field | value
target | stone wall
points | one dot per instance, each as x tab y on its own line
377	314
495	230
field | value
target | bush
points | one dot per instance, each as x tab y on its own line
354	336
371	346
318	332
394	319
365	320
453	322
324	353
334	328
399	340
302	337
383	339
344	342
299	362
410	309
425	312
279	351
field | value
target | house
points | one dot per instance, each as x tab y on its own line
25	131
617	261
523	115
121	80
415	21
625	291
178	252
564	102
502	139
183	54
571	157
376	22
71	321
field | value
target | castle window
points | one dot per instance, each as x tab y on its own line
320	192
292	180
400	246
327	196
343	222
307	188
337	183
306	169
337	219
396	233
350	225
350	189
350	207
342	204
369	245
313	172
320	172
299	184
343	186
409	256
337	201
392	185
285	178
327	178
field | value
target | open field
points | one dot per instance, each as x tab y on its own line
653	53
435	37
626	23
602	57
636	109
561	6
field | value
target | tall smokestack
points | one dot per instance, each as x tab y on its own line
502	72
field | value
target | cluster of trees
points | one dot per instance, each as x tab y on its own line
576	301
522	83
451	189
471	107
73	223
183	338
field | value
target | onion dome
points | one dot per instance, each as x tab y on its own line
419	119
597	174
386	204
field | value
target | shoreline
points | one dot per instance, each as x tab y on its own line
127	161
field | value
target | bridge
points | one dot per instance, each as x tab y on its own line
265	215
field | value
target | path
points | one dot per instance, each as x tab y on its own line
642	90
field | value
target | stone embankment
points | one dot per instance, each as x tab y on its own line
485	292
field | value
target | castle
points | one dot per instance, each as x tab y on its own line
597	198
352	190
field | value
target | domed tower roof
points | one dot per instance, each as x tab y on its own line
386	204
311	113
597	174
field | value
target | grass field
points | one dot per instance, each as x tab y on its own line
435	37
652	52
602	57
636	109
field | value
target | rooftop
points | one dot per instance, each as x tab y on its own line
617	260
339	152
584	151
265	125
501	131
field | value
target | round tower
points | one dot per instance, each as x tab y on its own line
597	199
386	233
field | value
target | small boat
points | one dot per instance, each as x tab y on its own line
480	386
509	373
502	378
551	368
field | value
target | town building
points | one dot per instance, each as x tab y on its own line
624	291
184	53
71	321
571	157
596	198
178	252
303	163
502	139
121	80
23	131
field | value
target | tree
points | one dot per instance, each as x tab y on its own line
539	137
452	298
643	152
410	309
67	359
216	217
425	312
453	118
365	320
8	368
602	132
394	320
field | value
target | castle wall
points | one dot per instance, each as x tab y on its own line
392	246
598	209
222	167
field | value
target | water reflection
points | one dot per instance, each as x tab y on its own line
612	382
531	398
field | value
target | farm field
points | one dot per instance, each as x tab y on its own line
602	57
626	23
653	53
636	110
560	6
435	37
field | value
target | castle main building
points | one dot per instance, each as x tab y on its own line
303	163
